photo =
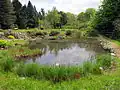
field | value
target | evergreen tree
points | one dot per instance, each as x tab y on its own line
23	17
36	17
31	16
43	13
7	15
17	7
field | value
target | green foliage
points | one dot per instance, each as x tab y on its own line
36	33
52	73
4	43
63	73
7	17
17	6
104	60
53	17
11	37
54	33
93	33
68	32
106	20
77	35
6	63
10	81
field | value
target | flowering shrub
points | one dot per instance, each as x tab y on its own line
11	37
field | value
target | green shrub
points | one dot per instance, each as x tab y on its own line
29	70
52	73
68	33
39	34
77	34
5	43
104	60
11	37
87	67
93	33
6	64
54	33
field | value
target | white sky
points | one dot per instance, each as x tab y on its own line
73	6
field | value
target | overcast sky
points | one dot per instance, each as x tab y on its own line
74	6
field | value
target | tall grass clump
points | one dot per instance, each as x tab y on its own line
7	64
52	73
65	73
105	60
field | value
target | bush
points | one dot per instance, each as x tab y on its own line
68	33
11	37
104	60
93	33
77	34
39	34
6	64
4	43
53	73
54	33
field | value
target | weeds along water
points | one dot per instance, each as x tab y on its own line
55	73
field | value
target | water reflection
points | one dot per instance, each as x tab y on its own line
66	52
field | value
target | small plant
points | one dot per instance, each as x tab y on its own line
39	34
6	64
77	34
68	33
5	43
54	33
104	60
11	37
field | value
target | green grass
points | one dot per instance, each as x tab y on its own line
117	42
9	81
65	73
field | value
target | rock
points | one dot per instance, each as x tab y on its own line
112	54
57	64
22	78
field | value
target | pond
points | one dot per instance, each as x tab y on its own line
65	52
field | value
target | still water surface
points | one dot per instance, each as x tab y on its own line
71	52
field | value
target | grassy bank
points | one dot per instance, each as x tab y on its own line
89	76
100	74
107	81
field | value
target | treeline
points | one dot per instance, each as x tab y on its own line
14	15
107	19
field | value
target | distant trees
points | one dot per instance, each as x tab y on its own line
14	14
107	18
85	18
17	7
7	14
32	16
53	17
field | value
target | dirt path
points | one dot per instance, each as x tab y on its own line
110	44
116	48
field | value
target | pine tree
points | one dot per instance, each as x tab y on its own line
7	15
43	13
31	16
17	7
23	17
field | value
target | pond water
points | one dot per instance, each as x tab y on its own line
69	52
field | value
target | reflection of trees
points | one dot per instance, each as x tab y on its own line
51	46
55	47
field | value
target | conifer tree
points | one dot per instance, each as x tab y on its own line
7	15
17	7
